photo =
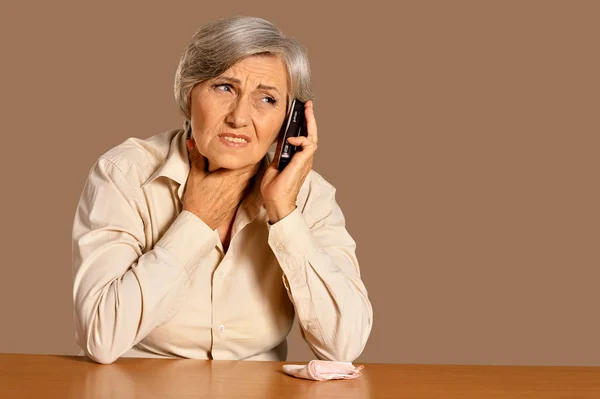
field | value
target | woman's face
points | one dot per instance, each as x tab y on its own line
237	115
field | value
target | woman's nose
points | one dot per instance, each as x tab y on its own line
239	115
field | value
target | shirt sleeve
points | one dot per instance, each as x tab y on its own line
322	277
121	291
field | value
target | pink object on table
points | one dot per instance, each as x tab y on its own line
321	370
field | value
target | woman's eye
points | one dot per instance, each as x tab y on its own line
270	100
224	87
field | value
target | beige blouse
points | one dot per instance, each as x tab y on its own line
151	280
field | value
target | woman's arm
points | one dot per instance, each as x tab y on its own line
120	293
322	276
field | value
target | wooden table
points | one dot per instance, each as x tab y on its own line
48	377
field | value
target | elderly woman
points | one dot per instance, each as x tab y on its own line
192	244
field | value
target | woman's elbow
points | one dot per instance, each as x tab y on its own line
102	357
97	351
348	349
352	340
348	344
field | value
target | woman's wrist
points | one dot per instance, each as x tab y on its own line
277	211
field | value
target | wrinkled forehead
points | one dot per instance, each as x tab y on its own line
266	70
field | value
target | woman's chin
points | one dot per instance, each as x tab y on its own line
227	163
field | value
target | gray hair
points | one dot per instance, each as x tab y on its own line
218	45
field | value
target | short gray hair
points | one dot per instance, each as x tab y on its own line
218	45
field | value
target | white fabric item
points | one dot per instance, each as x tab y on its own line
322	370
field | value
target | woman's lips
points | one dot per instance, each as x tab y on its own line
234	140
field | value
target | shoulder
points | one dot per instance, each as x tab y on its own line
140	153
137	159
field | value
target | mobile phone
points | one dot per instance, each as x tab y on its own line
293	126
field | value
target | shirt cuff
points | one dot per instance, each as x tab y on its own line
188	239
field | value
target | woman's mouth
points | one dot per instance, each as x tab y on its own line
234	140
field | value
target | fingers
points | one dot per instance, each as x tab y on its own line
309	147
302	159
311	123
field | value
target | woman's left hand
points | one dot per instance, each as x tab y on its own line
280	189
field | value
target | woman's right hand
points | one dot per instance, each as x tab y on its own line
214	197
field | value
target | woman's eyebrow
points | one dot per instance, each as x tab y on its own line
239	82
230	79
265	87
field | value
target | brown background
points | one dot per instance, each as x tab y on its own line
463	138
